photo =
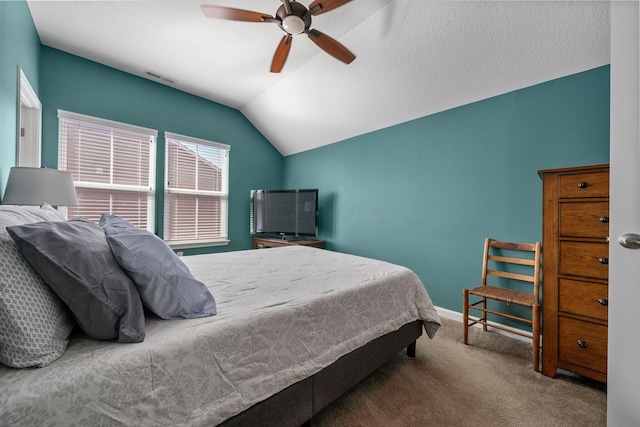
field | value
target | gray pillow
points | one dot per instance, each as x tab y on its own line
74	258
165	284
34	322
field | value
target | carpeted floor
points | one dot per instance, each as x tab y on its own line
487	383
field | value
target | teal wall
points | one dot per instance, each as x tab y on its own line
19	48
74	84
426	193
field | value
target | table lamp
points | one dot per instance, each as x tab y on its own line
35	186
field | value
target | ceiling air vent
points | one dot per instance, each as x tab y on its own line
160	77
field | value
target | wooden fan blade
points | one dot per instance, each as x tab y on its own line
221	12
331	46
326	5
282	52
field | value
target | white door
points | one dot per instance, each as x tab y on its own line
623	405
29	125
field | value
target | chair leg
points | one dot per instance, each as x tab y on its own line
485	315
535	329
465	314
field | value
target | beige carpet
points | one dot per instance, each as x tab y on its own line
487	383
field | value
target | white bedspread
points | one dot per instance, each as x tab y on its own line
283	314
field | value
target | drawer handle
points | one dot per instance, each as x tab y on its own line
603	260
583	185
603	301
582	344
604	219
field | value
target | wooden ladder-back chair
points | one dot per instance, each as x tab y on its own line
505	263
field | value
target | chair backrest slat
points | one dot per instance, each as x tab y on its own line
531	247
508	275
512	260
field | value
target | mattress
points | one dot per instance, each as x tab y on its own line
283	315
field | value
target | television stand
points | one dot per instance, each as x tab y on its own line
264	243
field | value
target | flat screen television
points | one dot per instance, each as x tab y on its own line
285	213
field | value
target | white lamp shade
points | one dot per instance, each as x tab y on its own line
35	186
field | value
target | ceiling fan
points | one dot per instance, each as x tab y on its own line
293	18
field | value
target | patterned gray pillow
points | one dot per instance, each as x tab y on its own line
34	322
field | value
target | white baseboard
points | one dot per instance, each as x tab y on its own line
457	316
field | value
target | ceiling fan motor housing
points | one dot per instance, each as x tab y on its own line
297	21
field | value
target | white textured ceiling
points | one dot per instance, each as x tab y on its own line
414	57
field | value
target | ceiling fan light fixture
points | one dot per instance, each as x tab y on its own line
293	24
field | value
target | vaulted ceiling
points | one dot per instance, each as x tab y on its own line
413	58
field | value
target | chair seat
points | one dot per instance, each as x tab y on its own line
509	296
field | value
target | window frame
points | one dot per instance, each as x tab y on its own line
150	190
223	193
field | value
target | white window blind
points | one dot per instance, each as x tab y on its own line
113	167
196	191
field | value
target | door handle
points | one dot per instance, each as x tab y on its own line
629	240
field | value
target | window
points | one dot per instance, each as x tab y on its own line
113	167
196	191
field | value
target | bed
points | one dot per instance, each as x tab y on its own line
295	328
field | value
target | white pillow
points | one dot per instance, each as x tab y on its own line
34	323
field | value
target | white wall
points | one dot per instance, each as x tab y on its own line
623	406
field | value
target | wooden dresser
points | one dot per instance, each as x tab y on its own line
263	243
575	248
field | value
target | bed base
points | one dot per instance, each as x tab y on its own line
298	403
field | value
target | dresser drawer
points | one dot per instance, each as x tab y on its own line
591	184
584	298
584	259
586	219
583	343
